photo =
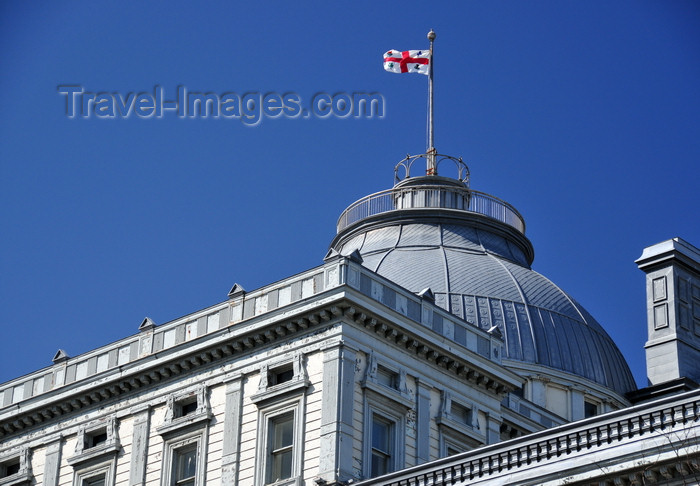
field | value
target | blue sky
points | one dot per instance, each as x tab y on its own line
583	115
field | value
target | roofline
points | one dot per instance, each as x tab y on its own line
593	432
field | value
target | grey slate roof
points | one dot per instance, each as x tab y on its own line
485	279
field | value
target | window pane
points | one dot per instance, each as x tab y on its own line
380	465
10	468
589	409
281	465
386	377
185	465
382	440
187	408
451	451
461	414
284	432
280	447
380	435
282	376
94	481
93	439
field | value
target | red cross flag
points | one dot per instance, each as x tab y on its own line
407	61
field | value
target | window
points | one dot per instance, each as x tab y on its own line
280	447
382	445
9	467
451	450
590	409
456	422
184	428
98	480
96	450
15	468
387	401
281	379
281	375
387	377
386	382
95	438
95	475
184	465
186	410
183	460
461	414
281	429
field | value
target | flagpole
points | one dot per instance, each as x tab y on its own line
431	169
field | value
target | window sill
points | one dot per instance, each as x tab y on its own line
286	482
102	452
389	393
464	429
283	389
16	479
187	422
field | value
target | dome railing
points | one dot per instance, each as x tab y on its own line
406	165
431	196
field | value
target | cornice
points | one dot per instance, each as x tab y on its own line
153	369
239	340
599	432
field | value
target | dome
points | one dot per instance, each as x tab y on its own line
470	249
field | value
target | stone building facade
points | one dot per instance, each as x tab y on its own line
424	350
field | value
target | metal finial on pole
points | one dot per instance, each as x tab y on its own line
431	169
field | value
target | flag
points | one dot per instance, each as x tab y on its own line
407	61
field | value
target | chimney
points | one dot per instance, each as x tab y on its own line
673	310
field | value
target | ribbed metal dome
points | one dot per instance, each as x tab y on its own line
477	264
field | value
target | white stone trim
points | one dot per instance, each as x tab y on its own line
199	418
106	469
386	409
297	384
296	406
175	443
107	451
24	473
